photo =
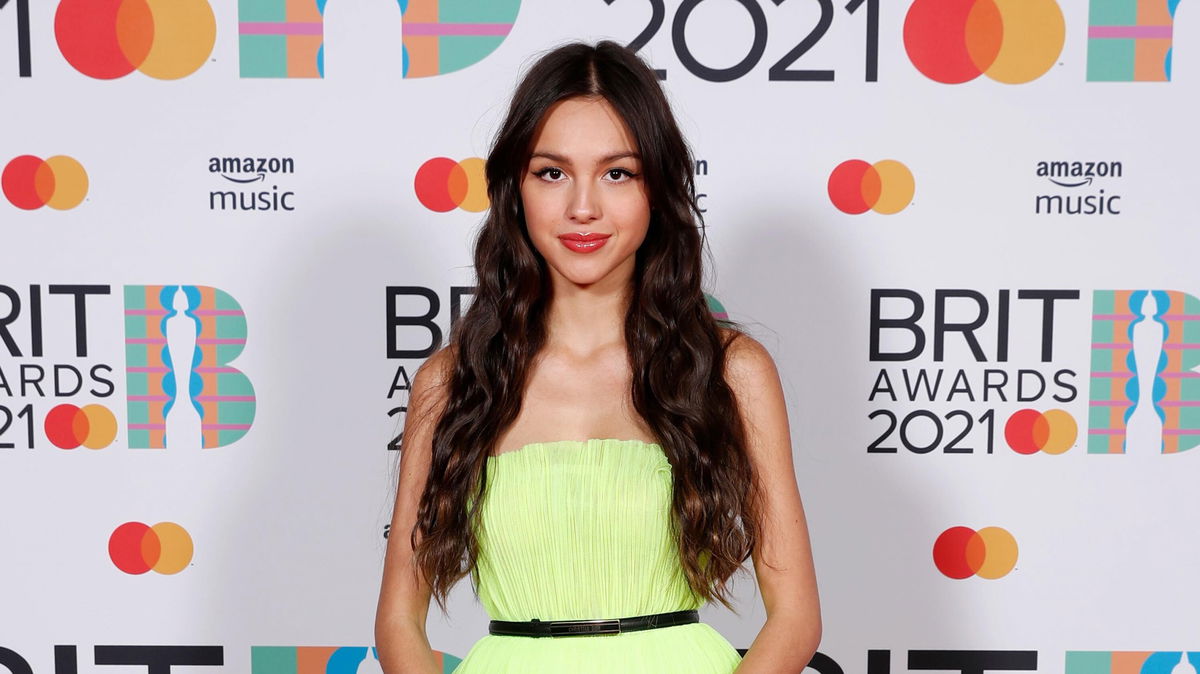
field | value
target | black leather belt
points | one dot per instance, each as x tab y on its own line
574	628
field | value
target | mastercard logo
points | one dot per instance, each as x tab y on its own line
443	184
107	39
58	182
92	426
1010	41
962	552
1030	431
885	187
136	548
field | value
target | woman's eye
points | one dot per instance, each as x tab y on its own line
552	174
617	175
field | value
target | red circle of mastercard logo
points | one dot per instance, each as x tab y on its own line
962	552
58	182
1029	431
443	184
92	426
885	187
136	548
1011	41
106	39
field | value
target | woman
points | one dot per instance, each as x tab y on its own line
592	445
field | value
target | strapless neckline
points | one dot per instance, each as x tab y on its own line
584	444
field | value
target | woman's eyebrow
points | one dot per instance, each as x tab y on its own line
621	155
553	156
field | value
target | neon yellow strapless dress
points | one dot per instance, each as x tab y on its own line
572	530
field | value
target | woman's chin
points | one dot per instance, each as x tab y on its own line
583	275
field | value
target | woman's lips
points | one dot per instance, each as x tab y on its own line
583	243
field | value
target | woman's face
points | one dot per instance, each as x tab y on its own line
586	205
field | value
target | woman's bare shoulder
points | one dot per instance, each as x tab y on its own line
429	383
747	361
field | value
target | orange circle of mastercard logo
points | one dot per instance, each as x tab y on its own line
106	39
885	187
443	184
962	552
136	548
58	182
92	426
1011	41
1030	431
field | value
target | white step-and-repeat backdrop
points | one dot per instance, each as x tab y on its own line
231	231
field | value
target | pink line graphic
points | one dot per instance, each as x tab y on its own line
1136	32
1161	403
457	28
1167	375
1129	345
1166	431
1130	317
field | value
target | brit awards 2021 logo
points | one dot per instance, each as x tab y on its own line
172	39
327	660
1142	394
179	341
1130	40
1132	662
57	380
947	41
1144	390
285	38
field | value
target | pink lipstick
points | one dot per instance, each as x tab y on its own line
583	243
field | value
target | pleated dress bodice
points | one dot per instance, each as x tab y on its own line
573	530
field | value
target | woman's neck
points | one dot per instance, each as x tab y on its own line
585	319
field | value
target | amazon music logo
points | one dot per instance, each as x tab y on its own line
1077	188
251	184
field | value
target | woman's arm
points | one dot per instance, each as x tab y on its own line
404	597
783	560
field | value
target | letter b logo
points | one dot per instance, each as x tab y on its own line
190	377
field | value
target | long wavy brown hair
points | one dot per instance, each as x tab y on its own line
675	348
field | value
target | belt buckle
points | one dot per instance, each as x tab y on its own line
566	628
